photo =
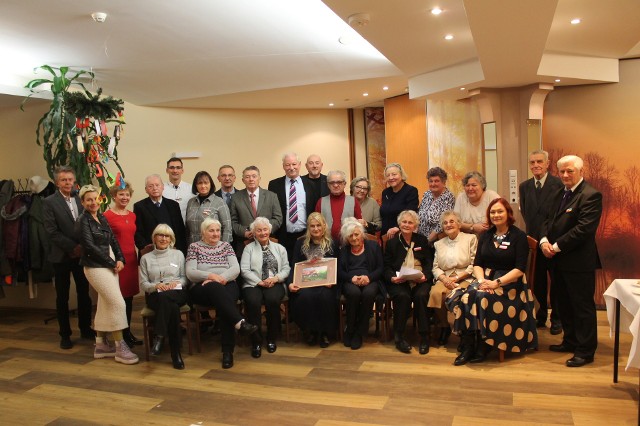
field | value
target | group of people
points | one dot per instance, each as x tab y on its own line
462	259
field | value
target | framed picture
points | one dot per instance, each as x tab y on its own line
322	272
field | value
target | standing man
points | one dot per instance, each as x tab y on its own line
227	178
315	176
569	240
61	210
337	205
155	210
536	200
297	200
176	189
250	203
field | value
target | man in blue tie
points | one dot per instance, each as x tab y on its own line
227	178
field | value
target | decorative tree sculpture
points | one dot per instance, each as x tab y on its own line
74	130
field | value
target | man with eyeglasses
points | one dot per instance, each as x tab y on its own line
177	189
154	210
337	205
227	178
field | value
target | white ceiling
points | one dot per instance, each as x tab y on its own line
286	54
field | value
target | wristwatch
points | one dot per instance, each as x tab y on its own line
499	282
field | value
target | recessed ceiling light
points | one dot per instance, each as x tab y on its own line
448	37
385	88
576	21
557	80
463	88
365	94
436	11
331	104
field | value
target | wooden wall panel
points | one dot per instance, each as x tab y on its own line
406	137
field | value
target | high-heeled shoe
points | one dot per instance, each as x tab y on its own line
158	344
131	340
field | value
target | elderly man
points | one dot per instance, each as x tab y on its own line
297	199
569	240
315	176
177	189
337	205
60	212
227	178
536	199
154	210
248	204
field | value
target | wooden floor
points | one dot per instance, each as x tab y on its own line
299	385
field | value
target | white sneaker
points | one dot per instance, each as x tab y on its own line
124	354
104	350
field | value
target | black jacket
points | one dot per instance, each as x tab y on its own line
96	238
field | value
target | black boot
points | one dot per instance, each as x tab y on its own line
158	344
481	352
176	359
130	339
468	348
445	332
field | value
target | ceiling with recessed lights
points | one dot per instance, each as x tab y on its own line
304	54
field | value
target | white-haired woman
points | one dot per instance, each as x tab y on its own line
163	279
472	204
265	268
102	260
360	268
397	197
212	267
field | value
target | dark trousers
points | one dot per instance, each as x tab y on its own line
166	305
575	291
62	275
223	298
288	240
128	302
402	295
254	298
359	303
540	286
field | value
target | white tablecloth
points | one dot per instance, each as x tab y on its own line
628	293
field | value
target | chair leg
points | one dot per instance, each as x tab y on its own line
187	321
340	321
146	331
500	355
286	321
197	327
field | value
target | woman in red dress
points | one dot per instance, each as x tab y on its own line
123	224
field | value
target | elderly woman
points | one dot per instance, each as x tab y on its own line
314	308
163	279
498	311
265	268
472	204
103	260
212	267
410	250
360	273
360	189
452	267
123	224
206	204
435	201
397	197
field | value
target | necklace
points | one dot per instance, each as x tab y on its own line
499	238
406	246
125	214
359	251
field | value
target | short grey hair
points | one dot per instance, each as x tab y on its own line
343	176
349	225
86	189
260	220
412	214
63	169
207	223
574	159
540	152
291	154
356	181
400	169
445	214
153	176
476	175
165	229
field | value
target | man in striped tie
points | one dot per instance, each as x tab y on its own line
297	200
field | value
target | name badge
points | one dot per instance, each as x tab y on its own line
174	265
506	243
503	247
417	248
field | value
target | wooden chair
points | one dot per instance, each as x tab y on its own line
148	320
529	276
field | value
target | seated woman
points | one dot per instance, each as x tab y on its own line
452	267
102	260
314	309
265	268
498	312
212	267
163	279
359	273
409	249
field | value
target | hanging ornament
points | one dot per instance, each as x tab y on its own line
116	132
112	145
97	126
103	127
98	170
79	143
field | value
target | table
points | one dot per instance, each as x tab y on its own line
627	294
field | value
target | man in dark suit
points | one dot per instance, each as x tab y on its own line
61	210
297	198
569	240
314	167
155	210
252	202
227	178
536	198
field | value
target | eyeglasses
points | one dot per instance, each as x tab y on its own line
163	236
174	167
361	188
336	182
